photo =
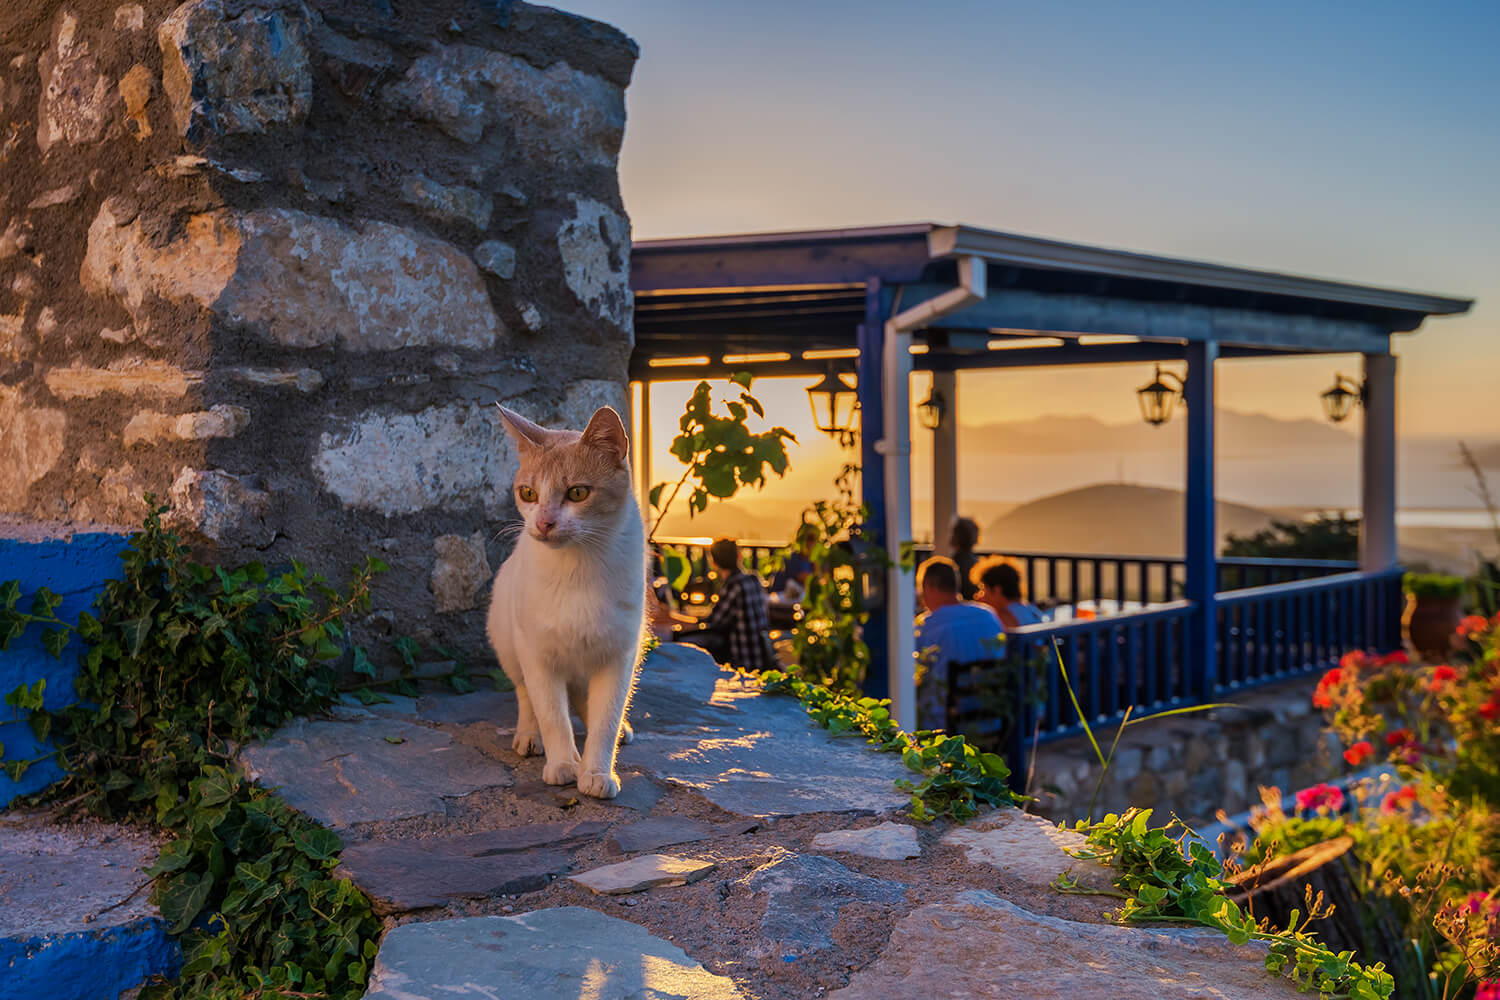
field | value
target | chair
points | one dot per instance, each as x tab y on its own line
988	705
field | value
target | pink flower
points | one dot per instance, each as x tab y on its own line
1359	753
1488	990
1396	737
1475	903
1319	796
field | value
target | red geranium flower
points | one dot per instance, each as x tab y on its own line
1490	710
1320	795
1398	799
1359	753
1321	699
1395	658
1396	737
1331	678
1352	661
1441	676
1472	624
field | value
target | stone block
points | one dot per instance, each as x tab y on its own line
221	421
401	463
663	831
449	203
460	572
888	842
75	95
130	17
220	506
1028	848
30	445
556	954
558	115
135	91
299	280
234	74
496	258
595	249
301	379
651	871
1011	952
803	895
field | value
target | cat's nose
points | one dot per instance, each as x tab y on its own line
544	527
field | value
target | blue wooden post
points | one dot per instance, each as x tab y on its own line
872	467
1200	543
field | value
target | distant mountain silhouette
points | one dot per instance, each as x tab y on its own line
1110	519
1237	433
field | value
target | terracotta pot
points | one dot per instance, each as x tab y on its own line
1430	624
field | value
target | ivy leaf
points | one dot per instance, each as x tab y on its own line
317	843
460	683
136	631
10	593
183	898
368	697
28	698
215	788
44	603
54	641
408	648
362	664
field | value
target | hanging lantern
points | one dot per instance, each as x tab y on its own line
832	405
1157	398
1338	402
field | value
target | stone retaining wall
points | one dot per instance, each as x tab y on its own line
276	261
1195	764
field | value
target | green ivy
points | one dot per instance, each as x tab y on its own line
182	663
955	778
1168	874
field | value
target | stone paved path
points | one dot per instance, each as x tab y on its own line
750	855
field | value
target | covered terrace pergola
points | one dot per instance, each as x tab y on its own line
879	302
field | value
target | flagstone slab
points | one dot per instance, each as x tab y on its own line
403	875
888	842
664	831
1029	848
651	871
562	953
803	894
711	730
346	772
1008	952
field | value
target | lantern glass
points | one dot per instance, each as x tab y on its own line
1156	399
832	404
932	410
1338	402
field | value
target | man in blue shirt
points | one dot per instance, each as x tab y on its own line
952	631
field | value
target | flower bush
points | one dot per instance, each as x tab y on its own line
1426	825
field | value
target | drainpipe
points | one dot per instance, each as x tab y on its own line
895	446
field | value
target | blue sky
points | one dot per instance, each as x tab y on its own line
1346	140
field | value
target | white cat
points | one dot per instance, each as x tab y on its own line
567	612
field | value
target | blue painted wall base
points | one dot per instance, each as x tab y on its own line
76	570
91	965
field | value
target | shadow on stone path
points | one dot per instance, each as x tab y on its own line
790	868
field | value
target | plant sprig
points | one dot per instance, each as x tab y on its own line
955	777
1168	874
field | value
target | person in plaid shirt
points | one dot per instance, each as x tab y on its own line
738	629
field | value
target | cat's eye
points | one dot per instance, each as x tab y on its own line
578	494
526	493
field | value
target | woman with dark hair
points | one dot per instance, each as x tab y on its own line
962	539
998	581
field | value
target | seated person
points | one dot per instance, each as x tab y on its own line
961	541
737	630
999	583
952	631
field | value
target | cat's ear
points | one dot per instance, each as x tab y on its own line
523	432
606	432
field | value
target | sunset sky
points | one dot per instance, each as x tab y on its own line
1347	140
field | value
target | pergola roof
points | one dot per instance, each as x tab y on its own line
722	298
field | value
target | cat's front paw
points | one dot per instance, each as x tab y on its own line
527	744
626	733
561	772
599	786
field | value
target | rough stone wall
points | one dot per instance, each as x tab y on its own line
275	261
1195	764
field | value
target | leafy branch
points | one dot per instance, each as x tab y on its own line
1168	874
955	777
